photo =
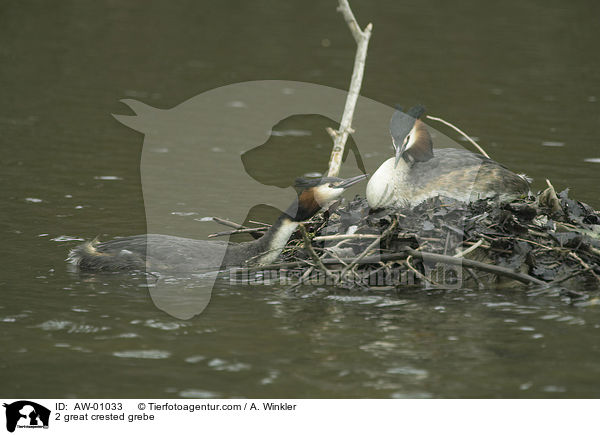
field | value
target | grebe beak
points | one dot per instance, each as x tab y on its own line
399	151
344	184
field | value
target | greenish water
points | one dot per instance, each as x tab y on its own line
523	77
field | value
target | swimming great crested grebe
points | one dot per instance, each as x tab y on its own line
417	172
156	252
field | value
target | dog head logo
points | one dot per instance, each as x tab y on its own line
26	414
225	134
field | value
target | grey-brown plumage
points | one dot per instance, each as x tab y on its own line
418	172
130	253
464	175
163	253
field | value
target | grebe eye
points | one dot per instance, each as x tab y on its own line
331	185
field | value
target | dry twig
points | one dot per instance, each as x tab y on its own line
369	248
345	237
227	223
584	265
469	249
239	231
312	253
362	43
419	274
466	136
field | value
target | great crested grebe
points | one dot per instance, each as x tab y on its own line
418	172
156	252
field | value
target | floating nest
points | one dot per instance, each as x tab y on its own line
547	241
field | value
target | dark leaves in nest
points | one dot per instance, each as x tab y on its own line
521	235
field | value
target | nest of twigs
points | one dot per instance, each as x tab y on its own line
545	241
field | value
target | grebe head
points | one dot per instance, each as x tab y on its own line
414	174
318	193
410	137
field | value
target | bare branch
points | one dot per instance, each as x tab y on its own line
585	265
419	274
333	133
425	256
344	8
345	237
240	231
226	223
362	43
469	249
475	144
472	264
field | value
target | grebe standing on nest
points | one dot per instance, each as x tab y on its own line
417	172
161	253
